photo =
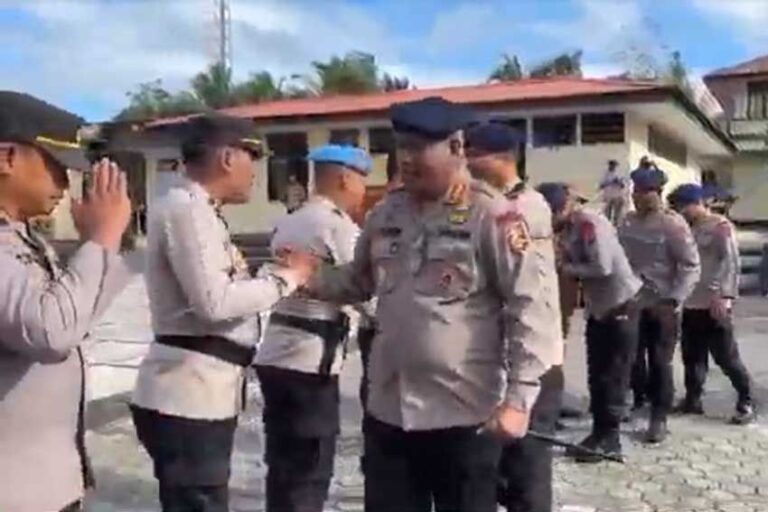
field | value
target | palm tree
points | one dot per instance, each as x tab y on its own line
213	87
508	70
261	86
150	100
566	64
355	73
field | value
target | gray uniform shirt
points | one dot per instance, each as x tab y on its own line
663	254
593	254
465	307
198	284
720	261
323	229
46	311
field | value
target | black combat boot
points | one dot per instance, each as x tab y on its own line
745	413
657	431
689	405
607	442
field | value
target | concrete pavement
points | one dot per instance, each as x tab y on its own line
705	466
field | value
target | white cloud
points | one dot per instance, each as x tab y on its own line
747	19
614	35
96	51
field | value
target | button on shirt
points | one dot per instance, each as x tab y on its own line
663	254
462	322
328	232
198	285
720	264
593	254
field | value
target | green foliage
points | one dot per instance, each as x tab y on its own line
355	73
565	64
508	70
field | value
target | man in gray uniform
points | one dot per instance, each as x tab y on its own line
708	312
204	307
663	254
47	308
468	322
526	464
591	252
300	358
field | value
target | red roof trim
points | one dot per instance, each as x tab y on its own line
523	91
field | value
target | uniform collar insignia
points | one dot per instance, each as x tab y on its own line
458	194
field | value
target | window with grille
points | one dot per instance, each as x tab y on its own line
345	137
602	128
381	141
288	156
757	104
554	131
666	146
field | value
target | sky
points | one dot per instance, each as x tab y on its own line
84	55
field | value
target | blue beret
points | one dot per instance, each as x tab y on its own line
493	137
433	117
348	156
686	194
648	179
556	195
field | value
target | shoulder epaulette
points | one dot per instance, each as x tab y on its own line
483	188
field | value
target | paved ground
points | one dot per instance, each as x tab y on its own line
705	466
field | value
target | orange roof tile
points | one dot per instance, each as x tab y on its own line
484	94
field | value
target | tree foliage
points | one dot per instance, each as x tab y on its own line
355	73
508	70
565	64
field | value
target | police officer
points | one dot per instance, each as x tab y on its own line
300	358
591	252
466	303
526	464
204	308
663	254
47	308
708	313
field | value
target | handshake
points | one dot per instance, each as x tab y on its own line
299	265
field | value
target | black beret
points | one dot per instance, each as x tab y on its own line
216	130
493	137
433	117
29	120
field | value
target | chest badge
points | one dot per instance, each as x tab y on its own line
394	248
458	216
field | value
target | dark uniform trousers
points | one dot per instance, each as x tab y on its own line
454	468
611	351
526	465
301	424
703	335
191	459
652	375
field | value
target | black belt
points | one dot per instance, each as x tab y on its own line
332	332
214	346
